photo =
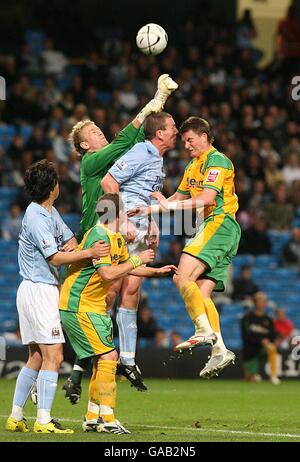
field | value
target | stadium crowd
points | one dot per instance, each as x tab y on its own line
255	120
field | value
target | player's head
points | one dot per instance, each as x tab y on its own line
41	180
109	207
87	137
196	135
161	130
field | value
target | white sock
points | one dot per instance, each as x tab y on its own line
43	416
94	408
219	346
17	413
202	326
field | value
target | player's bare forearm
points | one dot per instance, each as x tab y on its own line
204	199
144	271
111	273
109	184
98	250
136	123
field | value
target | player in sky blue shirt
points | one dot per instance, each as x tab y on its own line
43	234
137	175
45	243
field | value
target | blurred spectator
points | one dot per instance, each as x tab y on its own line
38	143
291	171
173	254
12	224
245	34
279	214
258	335
255	239
283	328
175	338
54	61
62	145
244	287
291	251
147	325
67	200
288	43
161	339
5	169
273	174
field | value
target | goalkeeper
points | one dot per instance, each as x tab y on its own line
98	156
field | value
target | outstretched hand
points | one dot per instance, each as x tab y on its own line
164	270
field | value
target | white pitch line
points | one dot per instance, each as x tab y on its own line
199	430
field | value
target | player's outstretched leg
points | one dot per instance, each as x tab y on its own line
217	363
195	341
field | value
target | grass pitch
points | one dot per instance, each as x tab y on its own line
179	411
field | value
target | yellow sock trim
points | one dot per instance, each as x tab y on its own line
193	299
212	314
106	380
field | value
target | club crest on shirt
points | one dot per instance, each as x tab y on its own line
212	176
121	165
55	332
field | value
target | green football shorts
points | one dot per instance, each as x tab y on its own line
90	334
216	243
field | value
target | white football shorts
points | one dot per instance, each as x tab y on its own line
39	318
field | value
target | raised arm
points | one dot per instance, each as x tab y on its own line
109	184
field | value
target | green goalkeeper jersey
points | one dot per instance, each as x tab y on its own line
94	166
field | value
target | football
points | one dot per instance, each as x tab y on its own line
151	39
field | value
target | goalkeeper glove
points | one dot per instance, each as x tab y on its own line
165	86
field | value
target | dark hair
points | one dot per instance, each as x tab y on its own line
40	180
109	207
198	126
154	122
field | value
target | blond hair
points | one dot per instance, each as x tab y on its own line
75	136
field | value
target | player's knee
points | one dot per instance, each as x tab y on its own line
110	299
179	281
111	356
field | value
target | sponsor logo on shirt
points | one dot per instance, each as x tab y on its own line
193	183
212	176
121	165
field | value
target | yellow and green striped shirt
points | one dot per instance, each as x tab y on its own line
84	290
211	170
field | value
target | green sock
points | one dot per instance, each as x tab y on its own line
79	367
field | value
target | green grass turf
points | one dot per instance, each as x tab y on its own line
180	411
